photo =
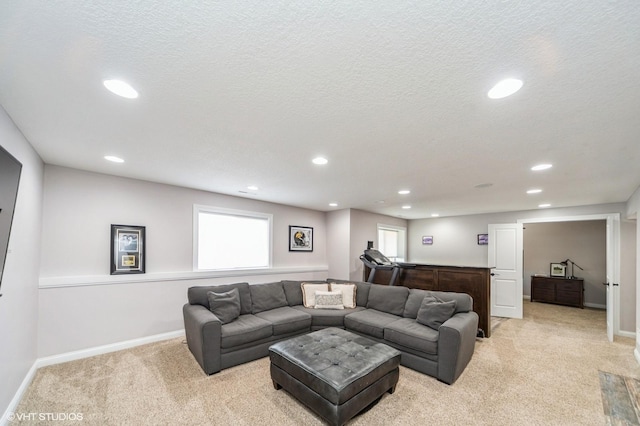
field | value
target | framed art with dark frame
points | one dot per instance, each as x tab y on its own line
127	249
483	239
300	238
558	270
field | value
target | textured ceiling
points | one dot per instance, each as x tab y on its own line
393	93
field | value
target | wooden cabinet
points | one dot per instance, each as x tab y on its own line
476	282
562	291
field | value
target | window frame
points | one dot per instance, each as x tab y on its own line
200	208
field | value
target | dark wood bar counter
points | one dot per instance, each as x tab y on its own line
475	281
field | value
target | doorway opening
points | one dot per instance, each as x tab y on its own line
612	262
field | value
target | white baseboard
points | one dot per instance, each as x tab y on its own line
99	350
4	420
623	333
595	306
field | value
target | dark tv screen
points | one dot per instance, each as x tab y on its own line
10	170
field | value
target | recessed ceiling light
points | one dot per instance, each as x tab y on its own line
505	88
120	88
534	191
406	207
404	192
113	159
333	204
252	187
435	215
380	201
320	161
539	167
544	205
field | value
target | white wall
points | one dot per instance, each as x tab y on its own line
19	301
82	306
455	240
338	243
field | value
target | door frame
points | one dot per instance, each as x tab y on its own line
614	234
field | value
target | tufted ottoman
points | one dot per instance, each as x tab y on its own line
334	372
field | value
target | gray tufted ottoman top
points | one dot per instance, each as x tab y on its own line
335	363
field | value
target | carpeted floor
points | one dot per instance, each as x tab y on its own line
542	370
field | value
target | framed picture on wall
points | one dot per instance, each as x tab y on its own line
558	270
300	238
483	239
127	249
427	240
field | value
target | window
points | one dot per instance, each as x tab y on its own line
230	239
392	242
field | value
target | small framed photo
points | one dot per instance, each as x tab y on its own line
300	238
558	270
127	249
427	240
483	239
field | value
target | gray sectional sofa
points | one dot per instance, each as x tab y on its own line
273	312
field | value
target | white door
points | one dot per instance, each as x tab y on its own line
505	259
613	246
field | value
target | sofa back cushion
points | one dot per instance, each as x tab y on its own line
198	295
362	290
464	302
293	291
413	302
225	305
267	296
389	299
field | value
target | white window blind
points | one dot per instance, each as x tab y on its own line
231	239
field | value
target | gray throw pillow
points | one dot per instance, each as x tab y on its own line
226	306
434	312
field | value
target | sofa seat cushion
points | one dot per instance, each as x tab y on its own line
409	333
369	321
246	328
286	320
328	317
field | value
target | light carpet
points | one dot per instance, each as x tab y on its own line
541	370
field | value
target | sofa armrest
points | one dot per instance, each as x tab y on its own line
203	330
456	343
